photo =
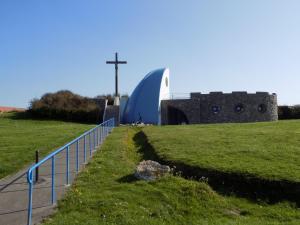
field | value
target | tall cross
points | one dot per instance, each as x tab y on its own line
116	62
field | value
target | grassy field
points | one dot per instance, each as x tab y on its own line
107	193
269	151
20	138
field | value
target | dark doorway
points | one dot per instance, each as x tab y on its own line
176	116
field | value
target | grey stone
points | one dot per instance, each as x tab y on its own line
112	111
257	107
150	170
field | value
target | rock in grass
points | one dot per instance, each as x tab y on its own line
150	170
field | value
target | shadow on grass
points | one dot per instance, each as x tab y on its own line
228	184
19	115
130	178
142	145
29	116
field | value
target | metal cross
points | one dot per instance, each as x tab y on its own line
116	62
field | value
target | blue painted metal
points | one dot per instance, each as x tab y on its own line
94	143
101	134
29	213
95	133
67	165
97	137
77	155
90	137
53	181
84	149
107	124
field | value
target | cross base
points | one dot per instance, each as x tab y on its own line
117	100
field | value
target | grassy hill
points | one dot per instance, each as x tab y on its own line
269	151
20	138
106	192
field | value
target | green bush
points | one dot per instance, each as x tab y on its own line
65	105
289	112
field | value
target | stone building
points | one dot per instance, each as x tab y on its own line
150	103
217	107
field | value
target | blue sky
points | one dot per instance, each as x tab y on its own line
209	45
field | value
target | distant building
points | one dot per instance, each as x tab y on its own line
11	109
150	103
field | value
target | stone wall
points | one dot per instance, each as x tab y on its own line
112	111
189	107
218	107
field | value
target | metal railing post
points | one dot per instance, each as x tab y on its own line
37	169
77	156
84	148
29	213
53	181
96	142
99	132
100	135
97	136
90	144
67	165
94	136
103	134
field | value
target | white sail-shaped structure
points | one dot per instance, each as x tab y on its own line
144	103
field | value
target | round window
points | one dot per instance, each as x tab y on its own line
239	108
215	109
262	108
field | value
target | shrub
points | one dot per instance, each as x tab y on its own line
65	105
289	112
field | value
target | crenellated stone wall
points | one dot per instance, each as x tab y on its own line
218	107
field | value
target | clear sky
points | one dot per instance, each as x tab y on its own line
209	45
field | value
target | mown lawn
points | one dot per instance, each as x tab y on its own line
265	150
20	138
107	193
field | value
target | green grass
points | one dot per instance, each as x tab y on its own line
20	138
106	193
264	150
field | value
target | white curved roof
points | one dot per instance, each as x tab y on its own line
144	102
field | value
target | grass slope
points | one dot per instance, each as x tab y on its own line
107	193
20	138
265	150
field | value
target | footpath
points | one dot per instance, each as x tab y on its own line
14	189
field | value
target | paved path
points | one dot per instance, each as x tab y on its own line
14	189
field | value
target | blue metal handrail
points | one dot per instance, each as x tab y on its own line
99	132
